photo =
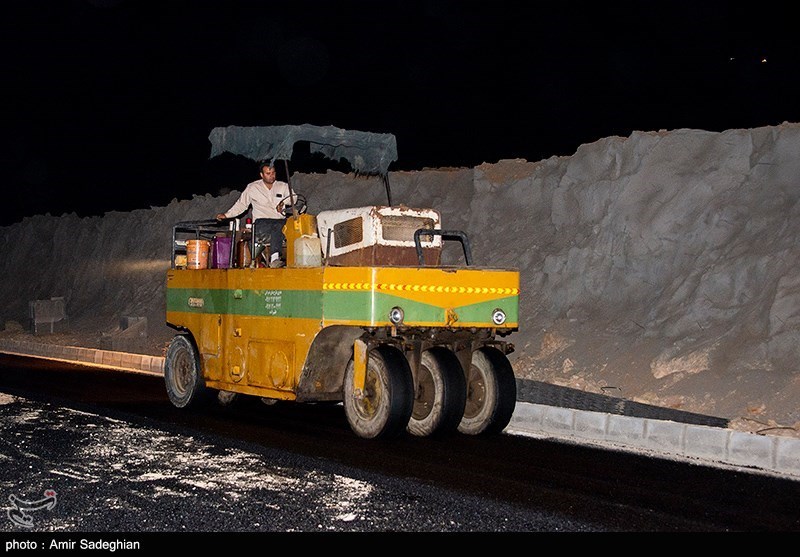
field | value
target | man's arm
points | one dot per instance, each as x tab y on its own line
240	207
288	197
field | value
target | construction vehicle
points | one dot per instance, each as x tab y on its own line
364	313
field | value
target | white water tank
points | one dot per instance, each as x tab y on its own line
308	251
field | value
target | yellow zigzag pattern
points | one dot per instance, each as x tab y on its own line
420	288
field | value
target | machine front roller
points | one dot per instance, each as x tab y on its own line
491	393
440	394
384	406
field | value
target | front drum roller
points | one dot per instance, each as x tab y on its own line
491	393
384	407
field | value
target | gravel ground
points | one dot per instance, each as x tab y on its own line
113	475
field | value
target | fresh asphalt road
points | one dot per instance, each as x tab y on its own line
120	458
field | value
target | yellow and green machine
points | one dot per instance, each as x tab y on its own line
363	313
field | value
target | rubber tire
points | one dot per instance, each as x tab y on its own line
386	407
185	385
439	395
491	393
227	398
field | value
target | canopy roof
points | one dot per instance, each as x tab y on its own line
367	152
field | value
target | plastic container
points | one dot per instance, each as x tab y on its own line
308	251
243	255
221	252
197	254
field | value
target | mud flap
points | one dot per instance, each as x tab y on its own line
360	351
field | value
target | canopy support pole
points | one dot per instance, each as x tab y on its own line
388	190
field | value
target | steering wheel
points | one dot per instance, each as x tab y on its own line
296	200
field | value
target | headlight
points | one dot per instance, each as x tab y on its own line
396	315
498	316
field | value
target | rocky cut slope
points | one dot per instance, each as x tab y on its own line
659	267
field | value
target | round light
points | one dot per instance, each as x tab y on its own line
498	316
396	315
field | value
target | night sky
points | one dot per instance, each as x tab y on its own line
107	104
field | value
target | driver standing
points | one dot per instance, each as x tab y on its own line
268	198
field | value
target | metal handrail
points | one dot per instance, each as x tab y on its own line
198	227
446	235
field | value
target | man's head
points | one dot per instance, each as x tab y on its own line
267	172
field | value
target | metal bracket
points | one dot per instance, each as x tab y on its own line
360	355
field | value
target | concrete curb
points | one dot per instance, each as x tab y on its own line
103	358
695	443
703	444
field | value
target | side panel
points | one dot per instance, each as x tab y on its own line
272	364
441	297
254	327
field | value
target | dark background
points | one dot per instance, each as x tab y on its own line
107	104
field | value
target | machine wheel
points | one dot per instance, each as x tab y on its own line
227	398
491	393
185	385
387	402
439	395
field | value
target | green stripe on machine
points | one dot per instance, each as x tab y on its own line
369	306
306	304
364	306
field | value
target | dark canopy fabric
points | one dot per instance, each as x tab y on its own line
367	152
